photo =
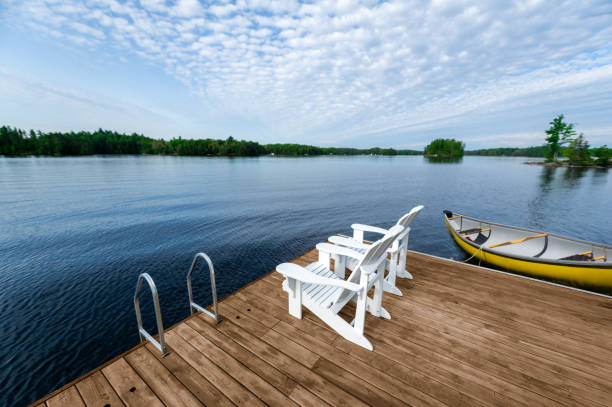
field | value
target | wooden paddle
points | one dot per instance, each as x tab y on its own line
518	240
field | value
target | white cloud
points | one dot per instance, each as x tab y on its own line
155	5
333	70
222	10
188	8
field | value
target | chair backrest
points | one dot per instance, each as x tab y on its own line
374	255
378	250
407	219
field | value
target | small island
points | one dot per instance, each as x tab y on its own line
562	141
443	149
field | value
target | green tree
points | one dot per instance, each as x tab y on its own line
559	134
445	148
578	151
603	154
536	151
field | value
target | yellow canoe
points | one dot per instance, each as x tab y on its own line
538	254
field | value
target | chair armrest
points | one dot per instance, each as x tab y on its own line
404	233
342	251
395	246
367	228
348	242
296	272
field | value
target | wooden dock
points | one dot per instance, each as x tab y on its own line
460	335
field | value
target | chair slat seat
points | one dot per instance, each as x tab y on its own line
322	295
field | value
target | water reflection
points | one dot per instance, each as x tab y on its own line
569	176
599	176
562	184
546	178
444	160
572	175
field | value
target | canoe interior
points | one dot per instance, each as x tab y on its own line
551	248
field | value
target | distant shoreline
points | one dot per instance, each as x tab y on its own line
16	142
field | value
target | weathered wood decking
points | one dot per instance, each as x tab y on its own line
460	335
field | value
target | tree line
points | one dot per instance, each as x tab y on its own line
537	151
18	142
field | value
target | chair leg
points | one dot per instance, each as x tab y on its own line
391	289
359	322
405	274
371	308
389	281
379	312
402	272
378	291
349	332
295	297
374	306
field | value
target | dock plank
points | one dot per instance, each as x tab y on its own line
266	371
208	394
324	389
96	391
519	320
163	383
459	336
129	386
295	343
492	360
540	344
323	368
406	386
232	389
67	398
261	388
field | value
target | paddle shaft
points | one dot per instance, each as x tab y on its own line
518	240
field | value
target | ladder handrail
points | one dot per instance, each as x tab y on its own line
192	304
161	345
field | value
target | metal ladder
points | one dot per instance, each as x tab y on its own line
192	304
161	345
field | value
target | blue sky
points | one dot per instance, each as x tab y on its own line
340	73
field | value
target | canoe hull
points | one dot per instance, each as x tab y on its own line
575	275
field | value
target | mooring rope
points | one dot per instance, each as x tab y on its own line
475	253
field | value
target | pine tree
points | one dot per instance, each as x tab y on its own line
559	134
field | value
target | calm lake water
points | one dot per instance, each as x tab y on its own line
75	233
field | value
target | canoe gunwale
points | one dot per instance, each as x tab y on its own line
570	263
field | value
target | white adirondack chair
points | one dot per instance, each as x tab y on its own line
325	292
396	264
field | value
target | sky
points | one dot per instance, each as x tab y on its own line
330	73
